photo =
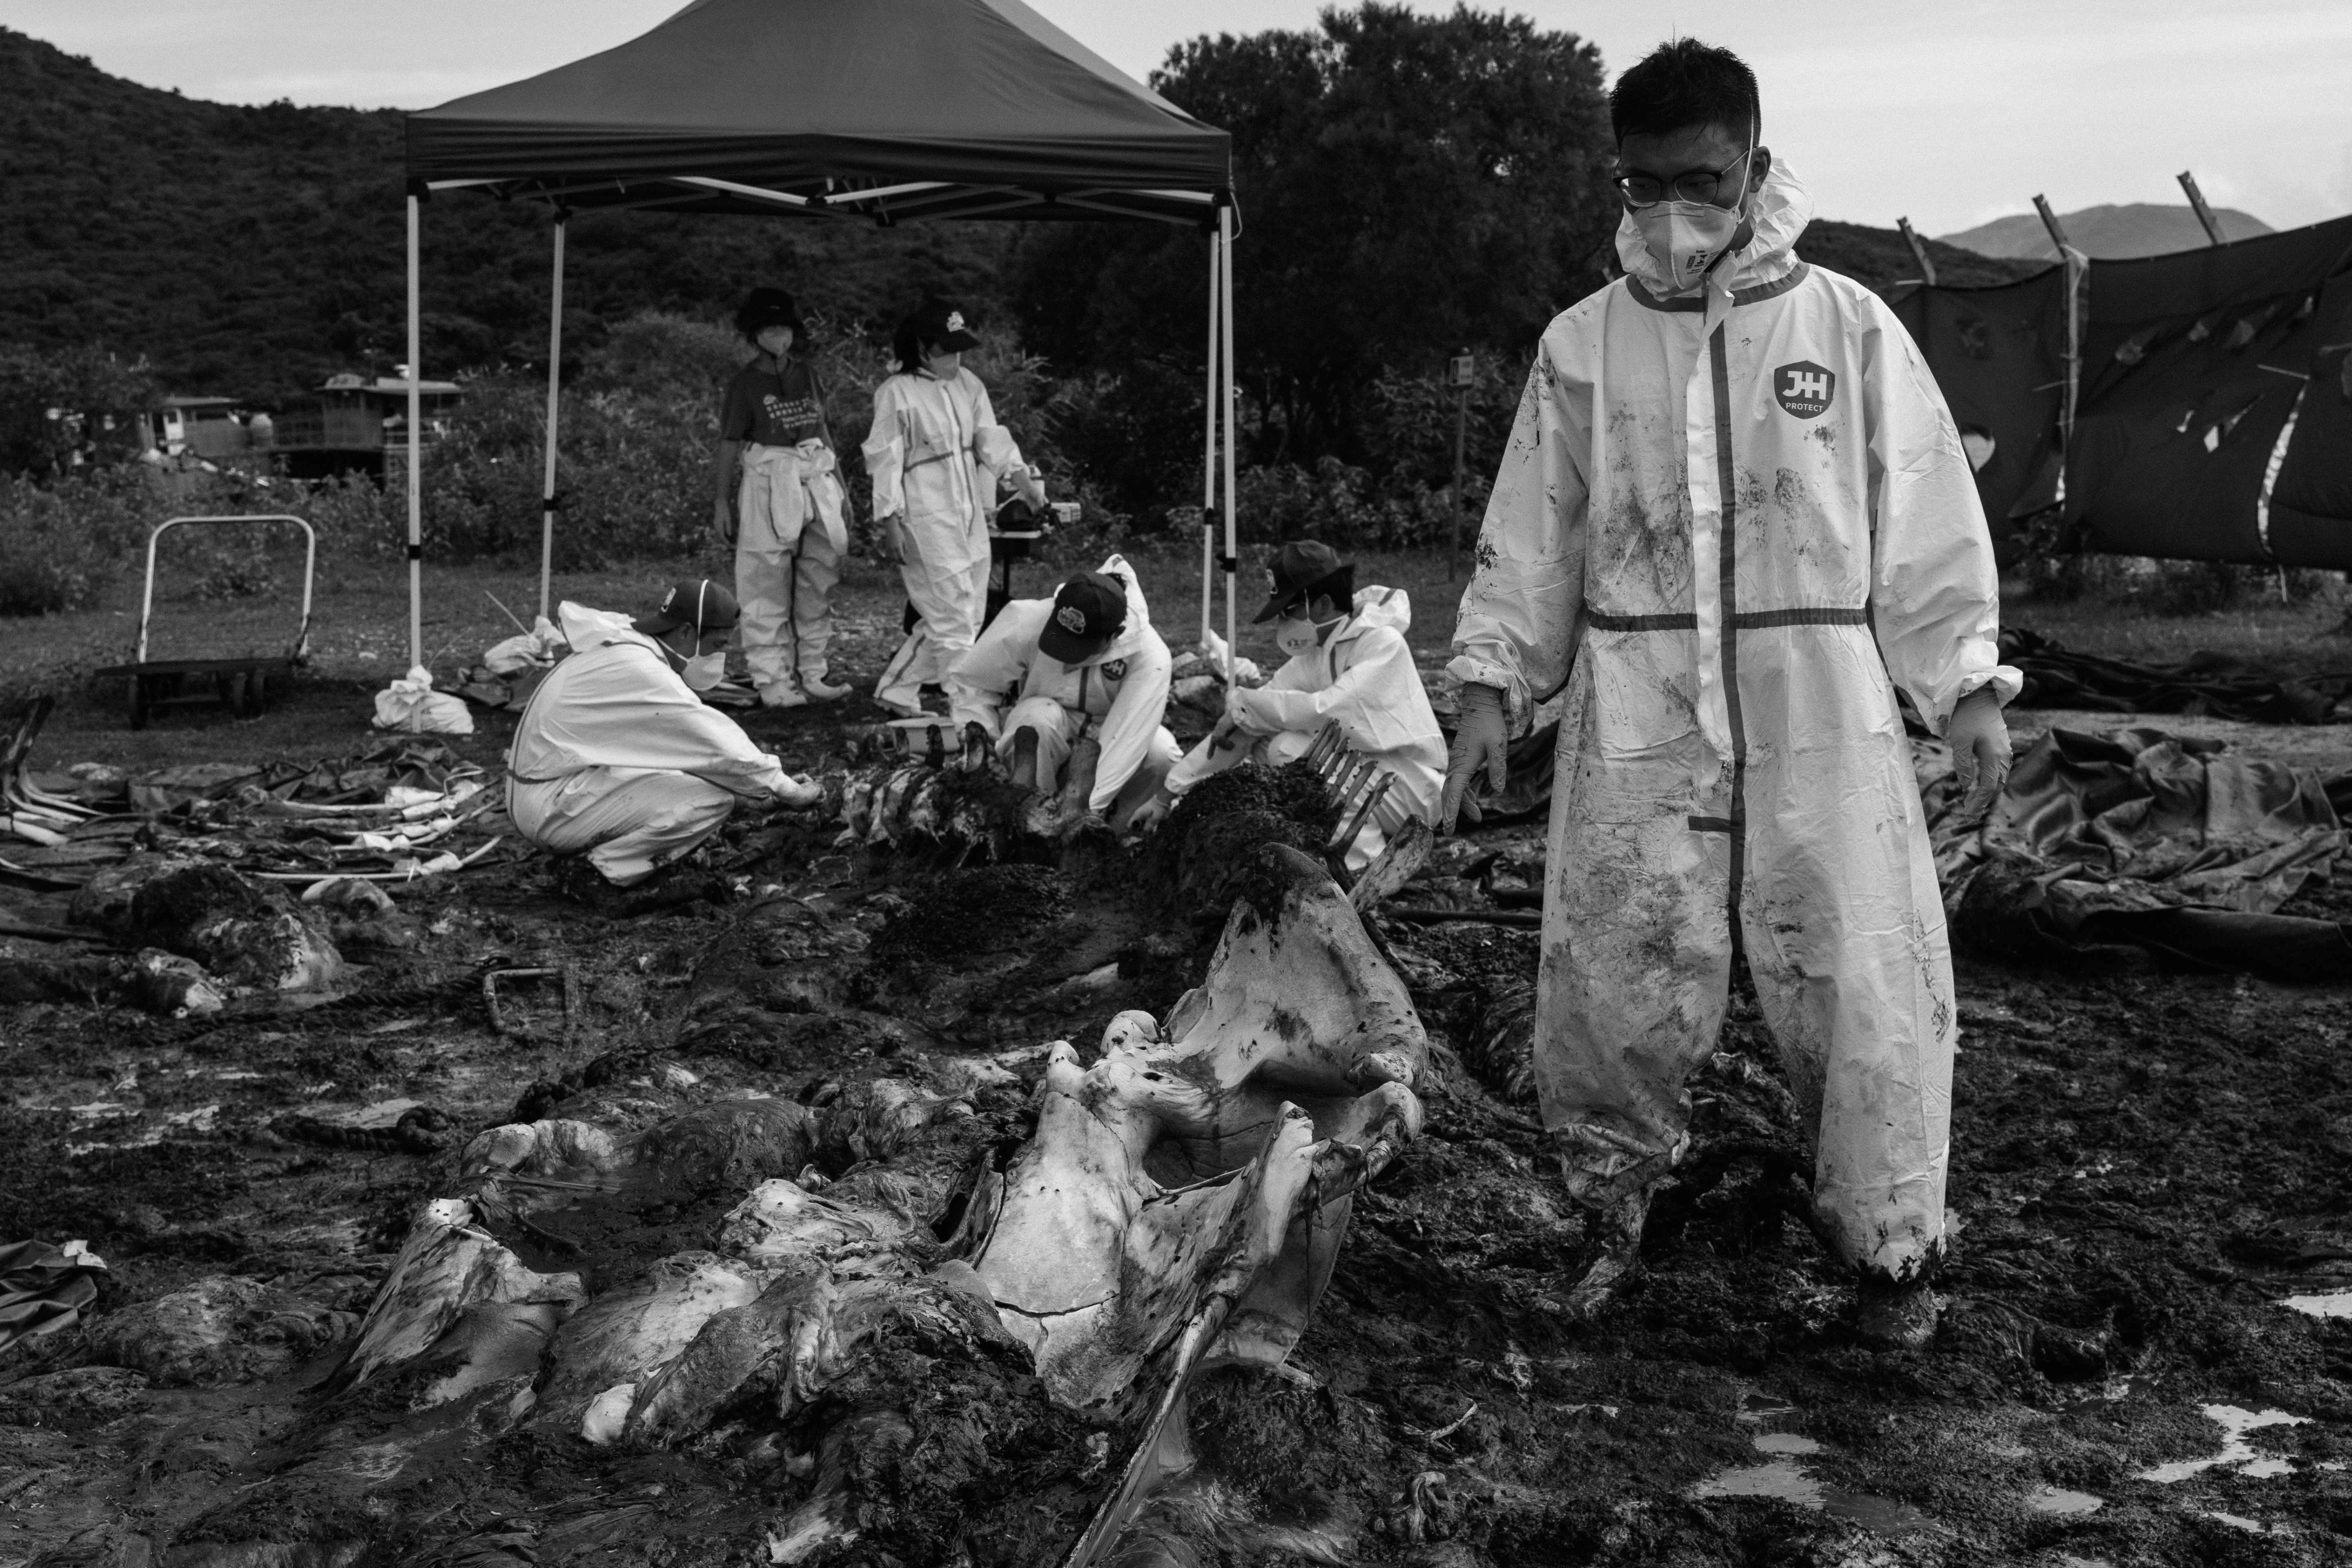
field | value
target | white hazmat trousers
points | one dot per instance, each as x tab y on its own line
1750	510
617	758
1363	676
1005	682
790	536
937	454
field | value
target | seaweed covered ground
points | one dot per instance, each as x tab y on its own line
2146	1165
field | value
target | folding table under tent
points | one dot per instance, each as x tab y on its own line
840	111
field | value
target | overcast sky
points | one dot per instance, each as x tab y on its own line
1950	115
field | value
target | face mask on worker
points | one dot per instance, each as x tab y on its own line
1686	238
1295	635
699	671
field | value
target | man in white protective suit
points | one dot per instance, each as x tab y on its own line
1733	519
1348	664
1050	672
618	763
937	455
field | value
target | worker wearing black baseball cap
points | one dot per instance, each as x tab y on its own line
1086	662
1348	664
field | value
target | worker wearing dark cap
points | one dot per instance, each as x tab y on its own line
1050	672
937	456
617	760
1348	663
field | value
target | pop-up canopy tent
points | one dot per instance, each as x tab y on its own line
2202	400
836	111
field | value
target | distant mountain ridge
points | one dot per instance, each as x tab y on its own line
2111	233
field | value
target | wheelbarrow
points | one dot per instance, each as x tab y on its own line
242	684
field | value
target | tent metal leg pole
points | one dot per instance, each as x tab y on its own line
1208	447
1226	405
554	372
415	452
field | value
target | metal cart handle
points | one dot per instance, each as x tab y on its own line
309	571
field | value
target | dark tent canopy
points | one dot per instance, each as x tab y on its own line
2213	416
879	109
870	111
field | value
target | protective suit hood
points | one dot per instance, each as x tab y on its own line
1782	208
1130	641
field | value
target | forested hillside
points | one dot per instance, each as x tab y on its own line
252	251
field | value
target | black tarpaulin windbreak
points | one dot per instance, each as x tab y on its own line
2212	407
865	111
2198	393
2000	356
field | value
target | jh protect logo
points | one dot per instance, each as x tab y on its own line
1804	388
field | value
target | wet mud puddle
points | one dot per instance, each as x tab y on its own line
1783	1477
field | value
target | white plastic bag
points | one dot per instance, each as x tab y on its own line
1245	671
534	649
410	703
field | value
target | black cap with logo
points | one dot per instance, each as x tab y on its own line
765	307
939	324
696	602
1089	612
1300	568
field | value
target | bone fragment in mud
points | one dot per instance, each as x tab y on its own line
1182	1204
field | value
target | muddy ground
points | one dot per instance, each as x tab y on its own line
2146	1165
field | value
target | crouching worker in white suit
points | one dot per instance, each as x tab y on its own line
1349	664
618	762
1050	672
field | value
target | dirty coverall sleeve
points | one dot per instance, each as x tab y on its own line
983	673
1133	719
1517	627
886	453
1935	592
991	443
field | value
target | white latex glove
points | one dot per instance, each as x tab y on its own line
1151	812
1978	737
1482	740
894	540
1241	708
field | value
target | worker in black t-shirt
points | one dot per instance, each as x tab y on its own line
782	506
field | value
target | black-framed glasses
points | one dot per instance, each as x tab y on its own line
1697	185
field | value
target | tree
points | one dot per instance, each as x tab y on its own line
1410	186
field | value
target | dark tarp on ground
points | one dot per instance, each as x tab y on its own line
43	1288
1998	354
1016	118
2216	684
2140	838
2192	365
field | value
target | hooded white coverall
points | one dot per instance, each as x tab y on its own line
616	756
1747	506
790	537
1363	676
1120	697
936	454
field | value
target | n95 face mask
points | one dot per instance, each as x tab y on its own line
1686	239
705	670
